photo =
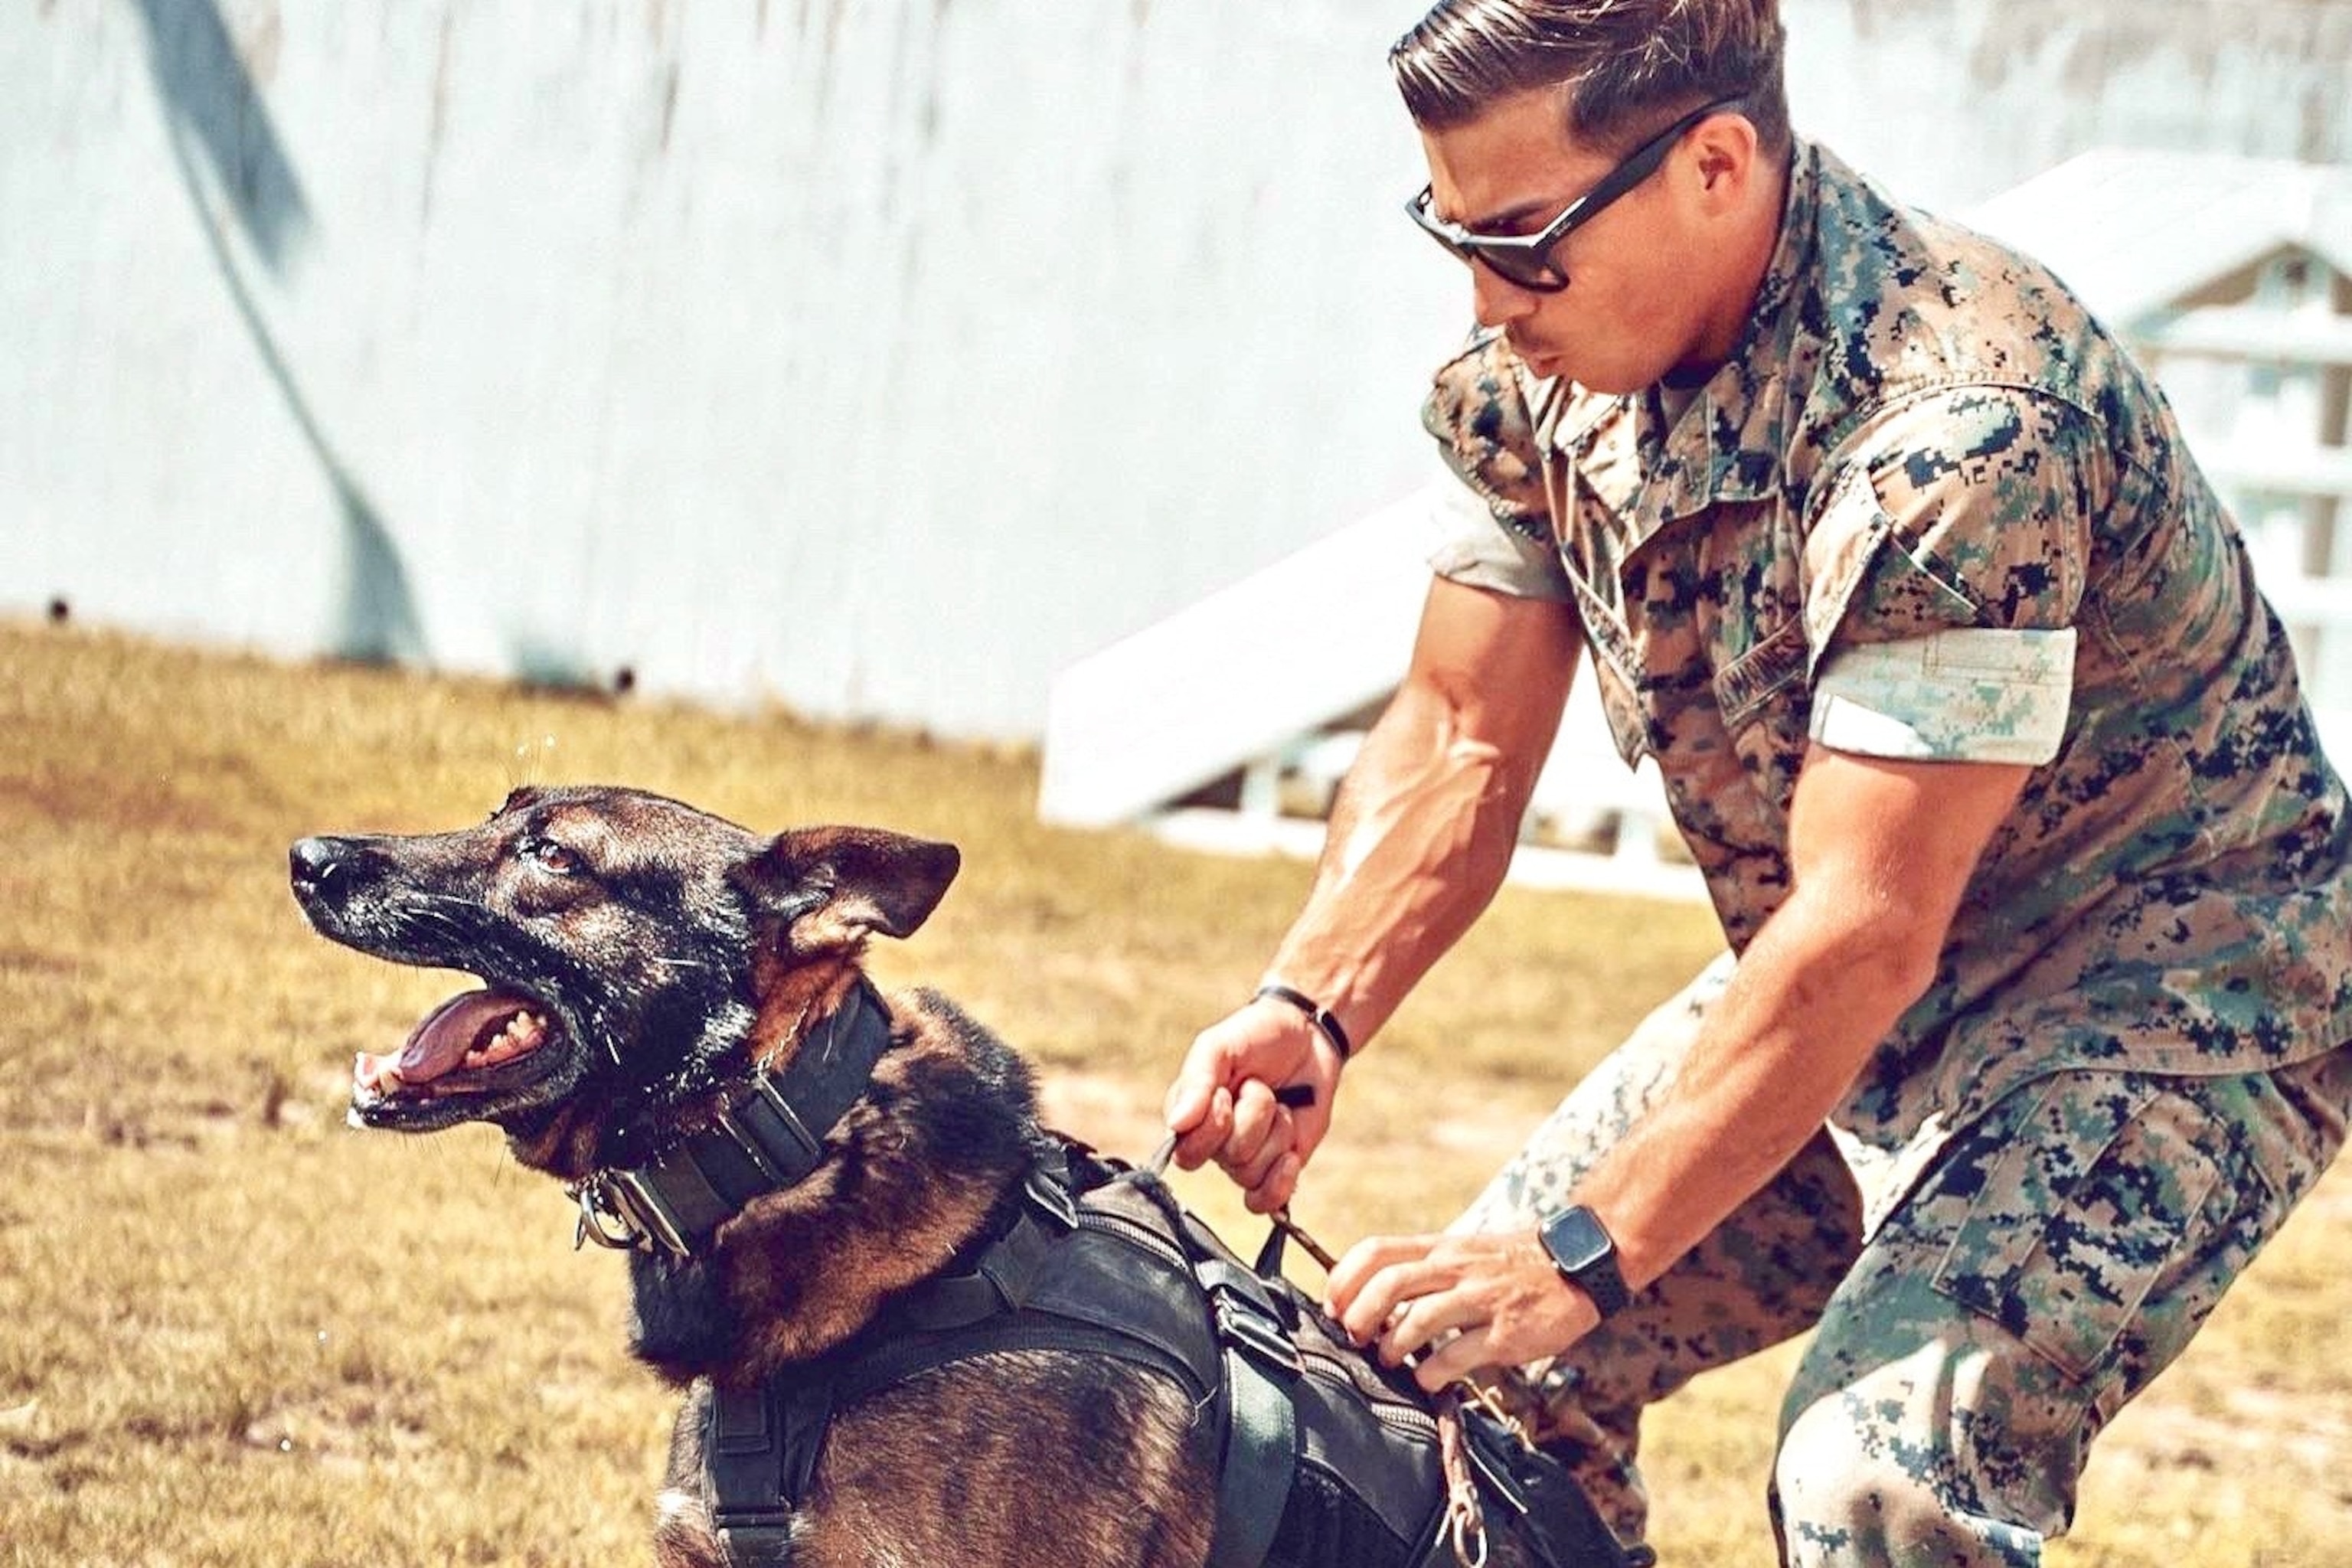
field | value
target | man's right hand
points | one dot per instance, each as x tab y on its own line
1223	1105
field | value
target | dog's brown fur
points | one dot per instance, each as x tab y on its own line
673	955
676	953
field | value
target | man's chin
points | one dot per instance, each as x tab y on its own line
1543	365
1554	365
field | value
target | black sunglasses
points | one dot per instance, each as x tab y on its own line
1525	260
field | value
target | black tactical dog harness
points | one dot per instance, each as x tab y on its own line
1325	1457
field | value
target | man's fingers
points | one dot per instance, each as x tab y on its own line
1188	1099
1208	1135
1466	1353
1256	1139
1277	1142
1422	1320
1279	1186
1376	1277
1253	1096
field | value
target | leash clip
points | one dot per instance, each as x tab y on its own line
597	1218
622	1210
644	1216
1466	1523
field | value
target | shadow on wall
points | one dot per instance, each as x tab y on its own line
213	111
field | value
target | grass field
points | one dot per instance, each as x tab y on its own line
232	1332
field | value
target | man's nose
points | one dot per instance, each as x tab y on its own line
1495	299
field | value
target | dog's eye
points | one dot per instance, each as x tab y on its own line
550	856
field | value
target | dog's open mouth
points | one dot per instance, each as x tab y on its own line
476	1043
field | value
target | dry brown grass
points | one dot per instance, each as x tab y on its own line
237	1333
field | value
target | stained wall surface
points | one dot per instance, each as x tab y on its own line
879	359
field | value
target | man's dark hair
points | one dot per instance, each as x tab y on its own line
1626	65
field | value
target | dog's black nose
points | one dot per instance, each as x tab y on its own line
314	861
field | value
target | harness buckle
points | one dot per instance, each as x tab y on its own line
1251	1328
1047	1191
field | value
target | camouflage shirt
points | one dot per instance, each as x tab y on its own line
1930	509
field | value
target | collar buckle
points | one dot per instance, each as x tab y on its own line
624	1211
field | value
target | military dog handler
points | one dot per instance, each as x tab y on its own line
2034	874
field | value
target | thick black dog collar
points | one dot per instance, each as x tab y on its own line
769	1141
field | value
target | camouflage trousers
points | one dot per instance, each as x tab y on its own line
2029	1276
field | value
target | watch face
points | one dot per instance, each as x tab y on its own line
1575	1239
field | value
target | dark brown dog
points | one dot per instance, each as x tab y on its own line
642	964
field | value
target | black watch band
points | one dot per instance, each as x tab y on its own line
1586	1257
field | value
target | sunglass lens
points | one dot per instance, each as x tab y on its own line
1522	268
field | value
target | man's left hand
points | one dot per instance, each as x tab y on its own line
1460	1302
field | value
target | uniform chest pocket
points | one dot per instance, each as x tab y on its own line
1765	704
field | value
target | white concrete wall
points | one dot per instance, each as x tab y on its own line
1950	102
878	357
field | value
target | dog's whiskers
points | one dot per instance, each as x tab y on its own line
530	763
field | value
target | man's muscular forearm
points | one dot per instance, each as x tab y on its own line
1419	839
1424	826
1882	852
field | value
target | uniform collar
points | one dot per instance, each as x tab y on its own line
1730	440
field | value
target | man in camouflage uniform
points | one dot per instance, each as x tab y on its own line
2039	886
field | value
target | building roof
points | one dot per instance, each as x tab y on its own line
1240	674
2134	230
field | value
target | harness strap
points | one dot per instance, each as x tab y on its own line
1001	1281
1261	1365
1260	1461
761	1448
1005	1303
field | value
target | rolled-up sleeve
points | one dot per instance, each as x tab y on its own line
1943	574
1957	696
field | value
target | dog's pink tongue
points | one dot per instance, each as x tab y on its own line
439	1044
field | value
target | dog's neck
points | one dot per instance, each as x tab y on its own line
909	1178
769	1139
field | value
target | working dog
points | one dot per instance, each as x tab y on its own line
642	962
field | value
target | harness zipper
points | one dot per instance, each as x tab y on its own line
1136	1232
1386	1407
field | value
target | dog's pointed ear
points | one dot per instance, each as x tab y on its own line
857	879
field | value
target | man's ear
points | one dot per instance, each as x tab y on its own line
849	881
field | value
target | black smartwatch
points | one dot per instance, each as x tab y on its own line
1586	1257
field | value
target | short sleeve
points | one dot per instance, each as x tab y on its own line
1496	519
1970	507
1944	575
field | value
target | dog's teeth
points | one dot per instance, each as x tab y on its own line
378	1076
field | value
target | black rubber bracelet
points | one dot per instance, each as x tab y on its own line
1316	1014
